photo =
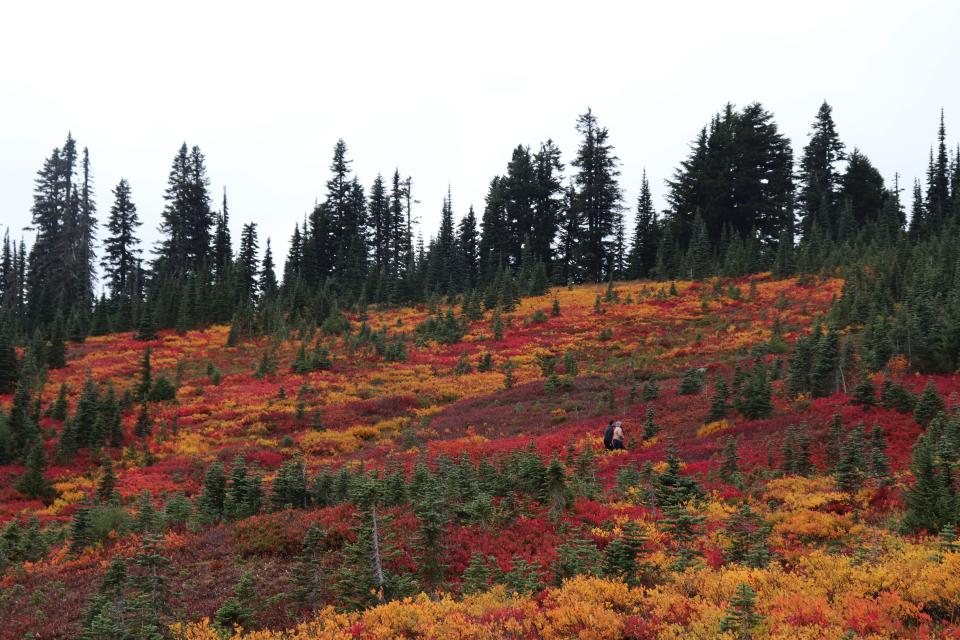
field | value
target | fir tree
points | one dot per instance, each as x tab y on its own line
819	190
580	557
598	195
863	393
930	500
730	468
929	405
720	401
32	483
307	575
741	617
621	555
247	269
213	493
149	593
754	401
268	277
121	246
107	484
879	464
9	365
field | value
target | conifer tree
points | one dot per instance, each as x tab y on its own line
748	534
32	483
720	401
268	276
213	493
9	365
247	269
524	577
239	609
580	557
929	405
754	401
146	375
730	468
643	246
650	428
597	197
819	189
149	593
121	246
824	370
879	464
476	576
741	617
683	528
863	393
186	218
143	426
307	575
107	484
57	350
621	555
931	499
106	612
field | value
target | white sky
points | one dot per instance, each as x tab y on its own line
444	91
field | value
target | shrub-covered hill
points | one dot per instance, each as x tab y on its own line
440	472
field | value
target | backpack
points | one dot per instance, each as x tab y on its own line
608	437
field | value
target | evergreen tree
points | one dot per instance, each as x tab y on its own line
751	203
754	401
879	464
938	183
222	243
825	369
146	375
247	269
213	494
730	468
186	220
239	609
643	245
148	597
121	246
476	576
929	405
741	617
580	557
307	575
106	612
621	554
931	499
720	401
863	189
863	393
268	277
9	364
597	196
819	190
107	484
364	577
523	577
32	483
468	250
57	350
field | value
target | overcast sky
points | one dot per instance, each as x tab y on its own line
443	91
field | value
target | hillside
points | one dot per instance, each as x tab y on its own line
474	449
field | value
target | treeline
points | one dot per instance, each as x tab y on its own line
738	204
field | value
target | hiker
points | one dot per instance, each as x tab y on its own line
608	436
617	440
